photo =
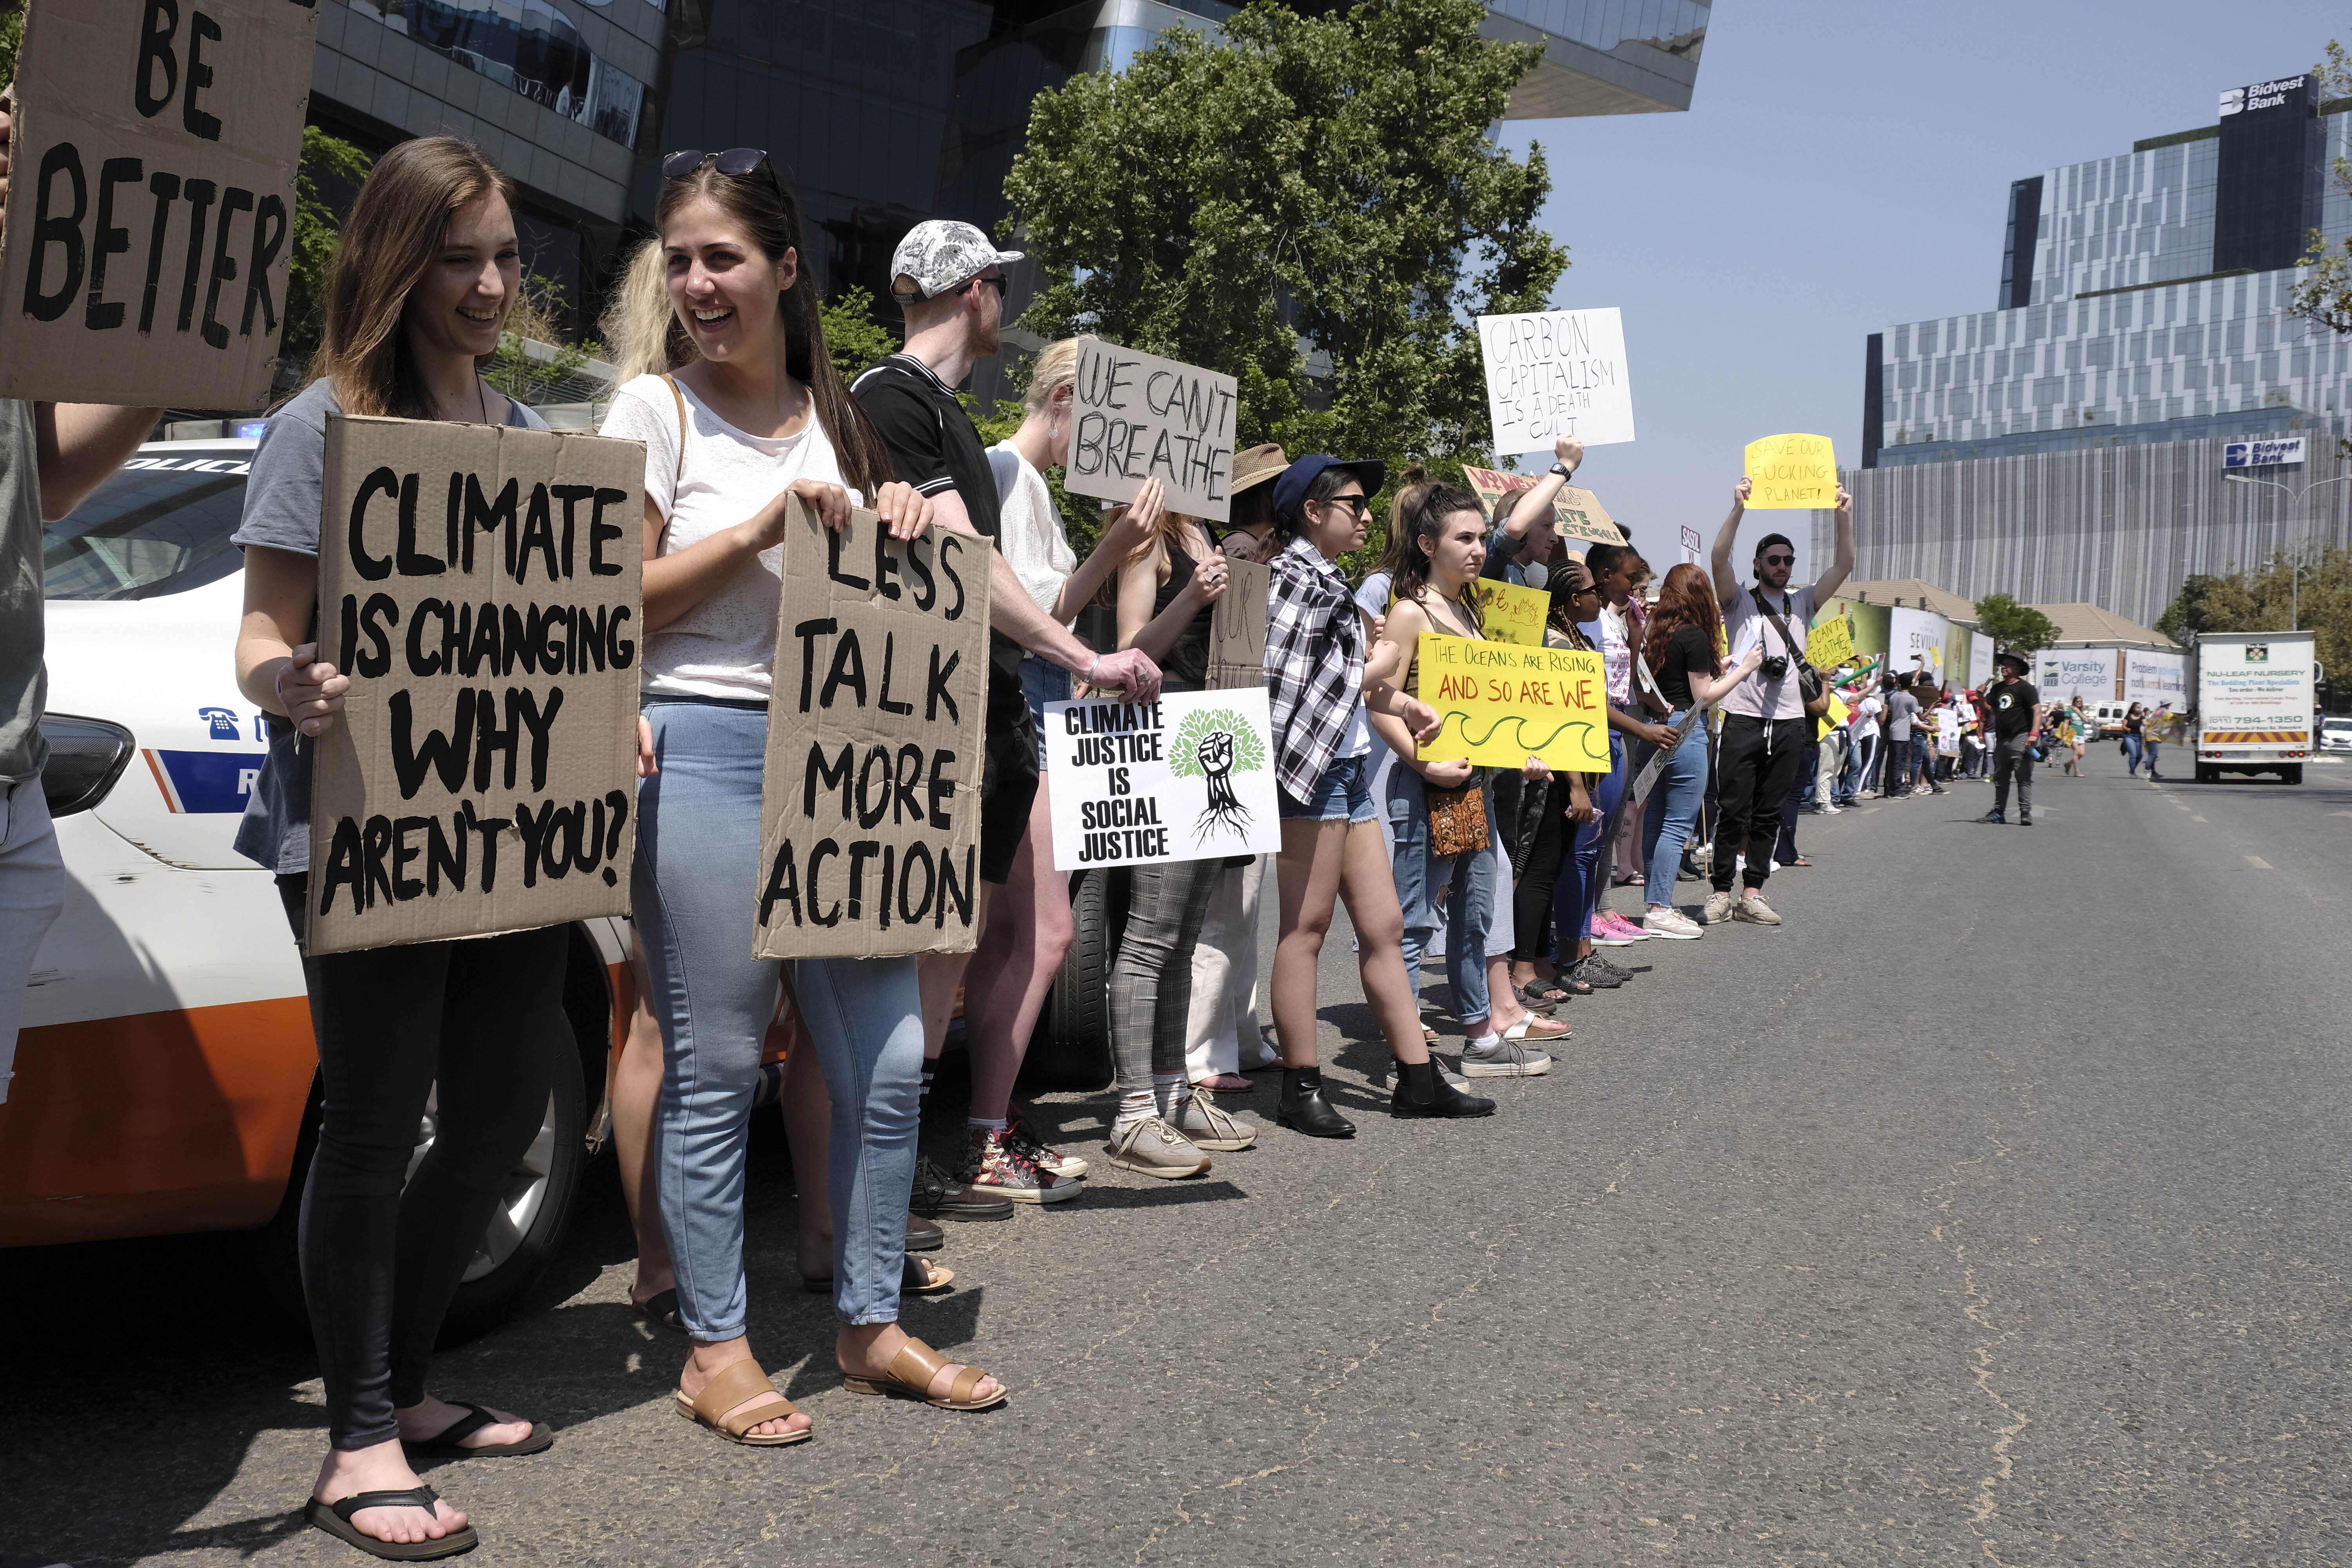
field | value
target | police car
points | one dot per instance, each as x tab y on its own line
166	1077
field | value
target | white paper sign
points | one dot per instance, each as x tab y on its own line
1184	778
1556	373
1692	545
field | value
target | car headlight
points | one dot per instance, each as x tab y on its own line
85	756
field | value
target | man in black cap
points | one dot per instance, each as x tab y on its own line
2016	720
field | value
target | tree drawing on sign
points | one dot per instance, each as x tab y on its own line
1214	744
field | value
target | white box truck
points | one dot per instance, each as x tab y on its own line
2255	703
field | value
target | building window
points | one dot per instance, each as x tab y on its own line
525	45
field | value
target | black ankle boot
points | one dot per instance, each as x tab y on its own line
1421	1091
1304	1109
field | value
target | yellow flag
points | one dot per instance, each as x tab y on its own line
1792	471
1502	703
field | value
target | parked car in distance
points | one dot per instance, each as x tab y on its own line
2106	719
2336	734
166	1075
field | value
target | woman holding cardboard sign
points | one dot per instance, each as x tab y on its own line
740	411
427	272
1441	811
1317	690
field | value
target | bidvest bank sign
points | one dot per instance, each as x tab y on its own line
2285	93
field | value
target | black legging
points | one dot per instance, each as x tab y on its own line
1531	900
380	1263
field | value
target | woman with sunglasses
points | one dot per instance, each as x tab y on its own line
1331	845
730	389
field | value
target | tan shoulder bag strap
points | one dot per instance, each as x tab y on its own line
680	398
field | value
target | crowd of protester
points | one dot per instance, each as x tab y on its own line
1718	736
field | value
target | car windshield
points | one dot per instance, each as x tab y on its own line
159	526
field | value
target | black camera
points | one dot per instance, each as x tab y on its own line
1775	668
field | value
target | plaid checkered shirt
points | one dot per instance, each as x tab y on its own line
1314	666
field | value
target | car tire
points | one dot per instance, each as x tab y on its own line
510	1257
1070	1049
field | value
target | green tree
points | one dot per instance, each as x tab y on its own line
2273	598
2324	296
1292	186
852	337
316	230
536	317
2015	627
12	34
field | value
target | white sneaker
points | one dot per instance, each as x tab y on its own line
1718	909
1673	924
1831	810
1752	908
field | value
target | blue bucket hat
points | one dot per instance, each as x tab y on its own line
1290	490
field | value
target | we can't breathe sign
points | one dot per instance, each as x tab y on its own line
151	199
480	586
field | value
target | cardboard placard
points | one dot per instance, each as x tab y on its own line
1509	613
1237	627
1646	780
1502	703
1788	472
869	843
1576	513
151	199
1188	777
1136	417
1830	643
480	585
1556	373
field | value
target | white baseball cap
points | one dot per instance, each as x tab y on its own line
940	255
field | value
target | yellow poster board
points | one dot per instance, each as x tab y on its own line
1830	643
1786	472
1835	718
1503	702
1509	613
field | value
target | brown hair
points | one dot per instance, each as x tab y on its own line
642	322
1686	599
397	224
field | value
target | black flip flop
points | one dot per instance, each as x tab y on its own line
335	1519
448	1445
1542	994
662	1307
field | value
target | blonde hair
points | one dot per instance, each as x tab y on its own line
396	227
1056	366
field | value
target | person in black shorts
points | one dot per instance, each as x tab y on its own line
949	279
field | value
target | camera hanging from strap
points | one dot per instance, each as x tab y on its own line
1810	685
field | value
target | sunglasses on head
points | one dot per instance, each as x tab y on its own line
736	161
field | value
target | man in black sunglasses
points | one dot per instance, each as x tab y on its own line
1765	728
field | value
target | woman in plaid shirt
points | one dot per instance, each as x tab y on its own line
1331	845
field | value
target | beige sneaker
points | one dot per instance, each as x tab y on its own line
1752	908
1718	909
1155	1149
1211	1127
1672	924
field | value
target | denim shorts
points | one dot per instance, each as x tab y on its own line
1345	791
1043	681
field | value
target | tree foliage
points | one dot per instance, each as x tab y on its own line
536	317
12	34
1292	186
2273	598
2324	298
2015	627
316	231
852	337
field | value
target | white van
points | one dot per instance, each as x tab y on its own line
2106	719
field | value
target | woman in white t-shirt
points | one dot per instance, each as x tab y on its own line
754	415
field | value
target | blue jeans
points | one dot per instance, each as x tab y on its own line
1861	759
1344	794
1468	880
2133	754
694	901
1674	814
1573	901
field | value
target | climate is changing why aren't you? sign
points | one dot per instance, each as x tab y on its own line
151	199
480	585
869	843
1189	777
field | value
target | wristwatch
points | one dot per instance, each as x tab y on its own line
1563	470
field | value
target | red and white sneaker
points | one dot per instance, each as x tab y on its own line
1024	1141
991	1166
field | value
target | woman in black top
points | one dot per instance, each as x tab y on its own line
1679	646
2135	749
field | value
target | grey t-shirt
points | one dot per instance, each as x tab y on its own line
281	512
24	684
1899	711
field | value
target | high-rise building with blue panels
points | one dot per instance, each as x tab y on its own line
2065	445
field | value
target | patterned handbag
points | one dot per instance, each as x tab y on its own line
1457	818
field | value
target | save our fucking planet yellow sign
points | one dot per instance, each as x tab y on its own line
1792	471
1503	702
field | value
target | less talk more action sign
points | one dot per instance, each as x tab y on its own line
480	585
151	199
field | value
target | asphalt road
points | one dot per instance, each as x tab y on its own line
1989	1211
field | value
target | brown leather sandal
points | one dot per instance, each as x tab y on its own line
732	1386
910	1374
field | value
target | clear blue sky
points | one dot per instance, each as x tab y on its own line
1843	167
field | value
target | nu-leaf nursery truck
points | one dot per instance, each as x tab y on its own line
2257	710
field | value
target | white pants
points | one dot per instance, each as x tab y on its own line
1825	777
32	892
1223	1022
